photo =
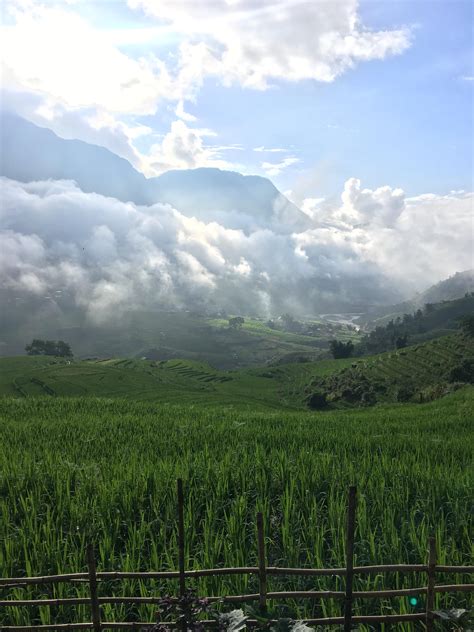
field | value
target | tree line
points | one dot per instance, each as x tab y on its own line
57	348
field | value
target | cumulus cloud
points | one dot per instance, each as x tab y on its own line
109	256
254	42
184	147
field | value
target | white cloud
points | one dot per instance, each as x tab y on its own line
253	42
55	53
184	147
416	241
108	255
87	82
272	150
275	168
310	206
180	113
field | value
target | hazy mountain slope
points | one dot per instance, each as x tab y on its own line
455	287
213	194
433	321
32	153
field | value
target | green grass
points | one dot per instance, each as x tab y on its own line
74	470
173	381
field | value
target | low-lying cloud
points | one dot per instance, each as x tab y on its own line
110	256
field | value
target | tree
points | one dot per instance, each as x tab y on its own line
401	342
57	348
236	322
290	323
341	349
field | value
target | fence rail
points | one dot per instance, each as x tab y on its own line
262	571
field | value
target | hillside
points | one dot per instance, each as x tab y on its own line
433	321
158	335
452	288
172	381
419	373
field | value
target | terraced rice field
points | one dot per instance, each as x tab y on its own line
422	372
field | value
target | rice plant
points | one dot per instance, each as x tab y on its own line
79	470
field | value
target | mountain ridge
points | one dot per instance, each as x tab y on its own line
31	153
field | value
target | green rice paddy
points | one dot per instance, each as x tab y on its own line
80	469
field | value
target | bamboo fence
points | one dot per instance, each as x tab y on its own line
347	621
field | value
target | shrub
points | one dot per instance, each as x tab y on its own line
317	401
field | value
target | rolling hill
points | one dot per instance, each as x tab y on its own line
418	373
172	381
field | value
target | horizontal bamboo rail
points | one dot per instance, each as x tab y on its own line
262	571
12	582
295	594
137	625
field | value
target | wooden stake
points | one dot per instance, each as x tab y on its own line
262	572
351	512
430	591
182	576
94	601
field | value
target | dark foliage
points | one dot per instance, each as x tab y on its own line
463	372
434	320
467	325
317	401
236	322
185	610
341	349
49	347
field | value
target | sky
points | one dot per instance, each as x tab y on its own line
359	112
306	93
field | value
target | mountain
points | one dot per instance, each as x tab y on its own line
213	194
32	153
455	287
433	321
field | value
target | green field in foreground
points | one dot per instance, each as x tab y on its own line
75	470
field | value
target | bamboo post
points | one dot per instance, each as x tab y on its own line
182	577
94	600
262	571
430	591
351	512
